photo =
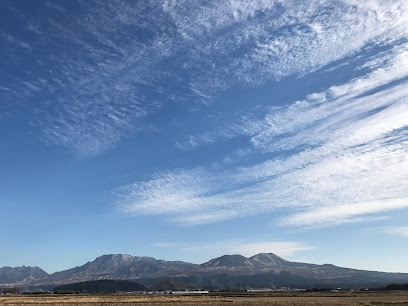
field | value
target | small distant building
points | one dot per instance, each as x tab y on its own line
9	291
286	289
190	292
260	290
176	292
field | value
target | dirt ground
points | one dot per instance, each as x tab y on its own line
221	299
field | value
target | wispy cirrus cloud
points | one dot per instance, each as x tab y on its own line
341	153
346	213
109	65
401	231
301	115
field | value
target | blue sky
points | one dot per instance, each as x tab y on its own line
185	131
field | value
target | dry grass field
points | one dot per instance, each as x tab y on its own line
284	299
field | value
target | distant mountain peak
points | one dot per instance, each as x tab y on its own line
266	255
266	260
116	257
231	261
21	274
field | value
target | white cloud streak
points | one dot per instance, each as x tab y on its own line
113	64
401	231
342	149
344	213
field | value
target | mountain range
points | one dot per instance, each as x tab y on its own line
265	270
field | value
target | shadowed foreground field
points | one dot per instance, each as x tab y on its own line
335	298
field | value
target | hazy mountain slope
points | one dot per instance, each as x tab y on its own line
119	266
171	285
269	260
238	265
21	274
102	286
229	261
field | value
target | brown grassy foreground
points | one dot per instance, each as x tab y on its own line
284	299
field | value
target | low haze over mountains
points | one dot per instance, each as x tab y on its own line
228	271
